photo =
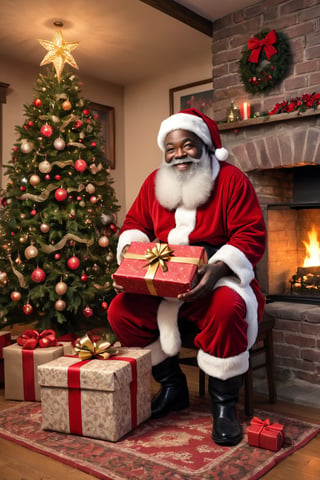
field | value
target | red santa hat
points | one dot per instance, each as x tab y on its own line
196	122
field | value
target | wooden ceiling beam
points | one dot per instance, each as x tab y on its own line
183	14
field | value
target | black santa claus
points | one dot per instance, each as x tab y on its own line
197	198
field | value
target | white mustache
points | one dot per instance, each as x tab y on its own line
179	161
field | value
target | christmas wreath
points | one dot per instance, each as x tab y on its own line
265	61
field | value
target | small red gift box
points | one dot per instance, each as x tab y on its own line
263	434
5	339
159	269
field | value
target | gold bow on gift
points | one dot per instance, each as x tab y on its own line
158	255
86	348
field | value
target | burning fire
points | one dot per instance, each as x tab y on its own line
312	258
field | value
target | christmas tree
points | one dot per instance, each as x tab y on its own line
58	214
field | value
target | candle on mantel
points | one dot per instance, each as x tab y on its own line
245	111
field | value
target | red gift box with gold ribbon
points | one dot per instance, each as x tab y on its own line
5	339
159	269
263	434
21	362
98	398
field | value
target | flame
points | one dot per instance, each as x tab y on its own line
312	258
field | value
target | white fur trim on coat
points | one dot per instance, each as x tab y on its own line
185	221
167	318
157	354
237	261
223	368
128	236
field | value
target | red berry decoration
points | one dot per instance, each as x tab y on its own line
38	275
73	263
27	308
104	306
46	130
80	165
37	102
84	277
60	194
87	312
78	124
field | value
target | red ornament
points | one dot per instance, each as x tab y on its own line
113	228
73	263
38	275
57	256
93	144
87	312
86	111
46	130
78	124
57	177
27	308
80	165
33	212
104	306
61	194
37	102
15	296
84	277
30	123
22	188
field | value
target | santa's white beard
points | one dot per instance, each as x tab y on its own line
190	188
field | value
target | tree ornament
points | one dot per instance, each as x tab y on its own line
55	119
60	305
86	112
57	177
109	257
78	124
265	61
103	241
66	105
23	238
37	102
61	194
34	180
84	278
45	166
31	252
80	165
22	188
73	263
33	212
113	228
61	288
26	147
104	306
15	296
59	53
90	188
93	199
3	279
38	275
27	309
59	144
57	256
46	130
44	228
87	311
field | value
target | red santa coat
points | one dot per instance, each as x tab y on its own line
231	220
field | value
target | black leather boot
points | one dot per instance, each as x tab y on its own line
224	397
174	393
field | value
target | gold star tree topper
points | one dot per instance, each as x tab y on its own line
59	53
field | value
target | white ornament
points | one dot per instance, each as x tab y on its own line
45	166
26	147
59	143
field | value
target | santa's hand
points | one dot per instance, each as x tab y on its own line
118	288
208	275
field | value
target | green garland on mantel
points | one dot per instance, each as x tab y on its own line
265	61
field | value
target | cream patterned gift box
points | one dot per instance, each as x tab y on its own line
102	399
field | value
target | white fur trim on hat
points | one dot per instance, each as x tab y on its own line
223	368
184	121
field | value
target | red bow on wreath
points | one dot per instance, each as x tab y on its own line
256	45
30	339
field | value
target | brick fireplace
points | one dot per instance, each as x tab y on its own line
276	153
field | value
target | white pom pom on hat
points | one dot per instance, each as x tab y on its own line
196	122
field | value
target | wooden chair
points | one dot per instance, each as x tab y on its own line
261	355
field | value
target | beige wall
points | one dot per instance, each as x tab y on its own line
146	104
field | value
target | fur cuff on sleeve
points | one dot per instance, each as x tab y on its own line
237	261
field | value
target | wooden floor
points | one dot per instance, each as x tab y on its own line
19	463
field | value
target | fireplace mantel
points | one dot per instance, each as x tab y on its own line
265	120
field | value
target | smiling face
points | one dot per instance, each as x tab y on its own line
183	149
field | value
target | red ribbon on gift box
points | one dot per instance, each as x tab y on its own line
5	340
74	388
29	340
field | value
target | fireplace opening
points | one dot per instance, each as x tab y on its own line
294	253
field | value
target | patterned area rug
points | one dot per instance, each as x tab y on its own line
178	447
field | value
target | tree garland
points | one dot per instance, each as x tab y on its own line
265	61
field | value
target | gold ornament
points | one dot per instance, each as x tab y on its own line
3	279
59	53
31	252
60	305
35	180
103	241
61	288
44	227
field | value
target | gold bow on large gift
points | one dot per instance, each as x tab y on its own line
158	256
86	348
